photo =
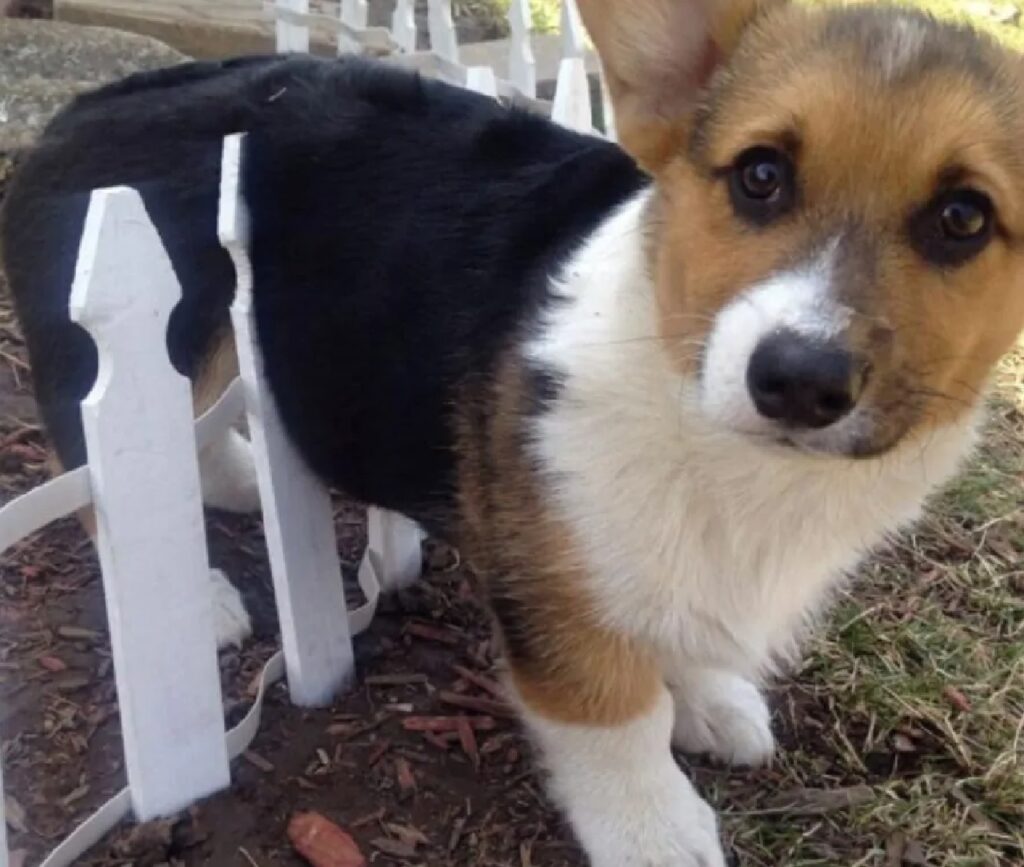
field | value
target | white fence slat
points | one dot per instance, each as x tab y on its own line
483	80
297	515
572	106
574	42
354	13
443	40
522	67
292	36
144	476
403	25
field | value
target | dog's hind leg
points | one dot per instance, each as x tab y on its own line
226	467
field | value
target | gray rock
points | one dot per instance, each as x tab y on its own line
44	64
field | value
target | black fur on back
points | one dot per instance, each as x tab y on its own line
403	236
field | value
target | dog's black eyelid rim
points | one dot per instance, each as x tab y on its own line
924	235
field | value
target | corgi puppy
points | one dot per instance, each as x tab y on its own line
662	396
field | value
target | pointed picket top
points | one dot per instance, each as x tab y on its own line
403	25
572	105
574	41
522	67
144	478
354	14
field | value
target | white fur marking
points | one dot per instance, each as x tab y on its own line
901	47
227	474
797	300
707	544
720	713
629	803
232	625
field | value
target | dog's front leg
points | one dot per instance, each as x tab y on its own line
720	713
604	724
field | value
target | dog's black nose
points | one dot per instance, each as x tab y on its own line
803	383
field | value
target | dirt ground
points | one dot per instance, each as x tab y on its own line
900	734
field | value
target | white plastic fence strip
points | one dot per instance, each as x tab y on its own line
572	106
522	67
144	477
297	516
44	504
443	40
355	14
403	25
237	740
292	36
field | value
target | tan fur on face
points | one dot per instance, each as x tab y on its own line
879	109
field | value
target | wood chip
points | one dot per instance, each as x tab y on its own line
257	761
432	633
438	724
406	778
322	843
957	699
484	683
53	663
78	633
481	705
377	753
468	742
395	848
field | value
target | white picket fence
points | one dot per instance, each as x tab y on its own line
142	479
572	104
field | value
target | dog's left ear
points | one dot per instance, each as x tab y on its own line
656	56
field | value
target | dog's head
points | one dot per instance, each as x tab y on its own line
837	230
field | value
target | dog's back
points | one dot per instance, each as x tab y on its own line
400	230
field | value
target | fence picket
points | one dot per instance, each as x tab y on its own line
443	39
483	80
572	106
291	36
145	482
522	67
574	42
297	516
403	25
356	14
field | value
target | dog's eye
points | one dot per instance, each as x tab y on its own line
761	184
954	227
963	219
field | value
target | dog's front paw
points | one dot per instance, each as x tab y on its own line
674	827
231	622
722	714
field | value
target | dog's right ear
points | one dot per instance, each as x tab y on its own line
656	56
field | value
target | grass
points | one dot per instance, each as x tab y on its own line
912	699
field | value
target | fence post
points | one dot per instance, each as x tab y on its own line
297	517
144	476
522	68
403	25
443	39
291	36
354	13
